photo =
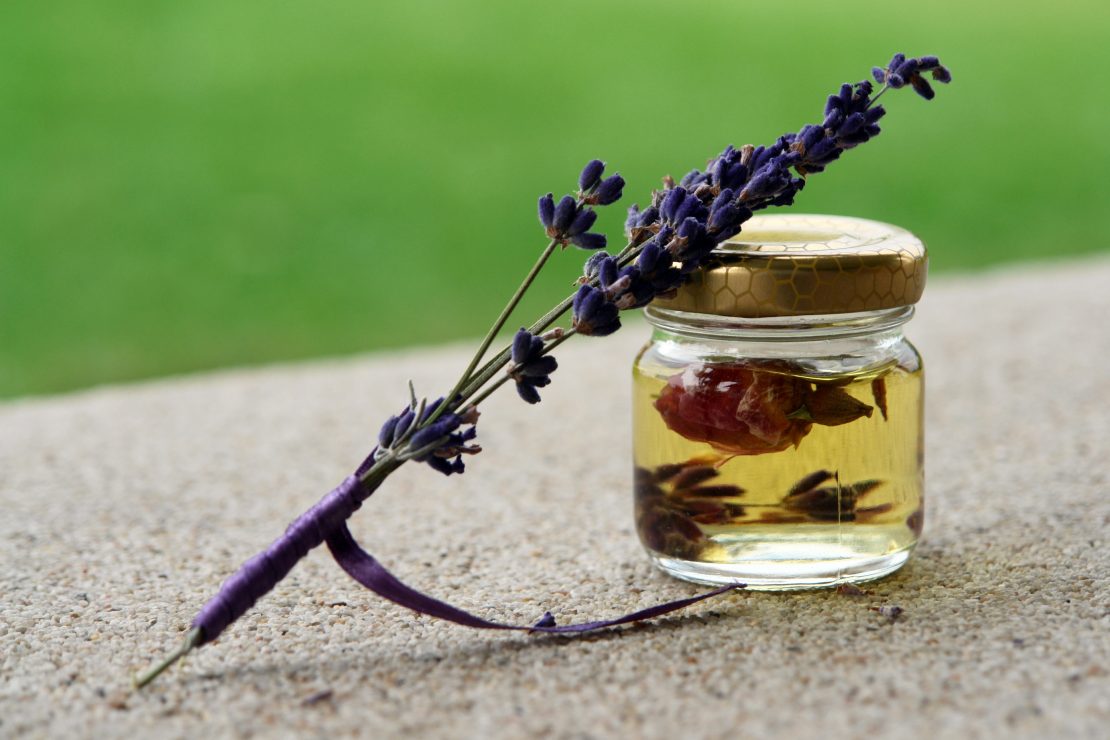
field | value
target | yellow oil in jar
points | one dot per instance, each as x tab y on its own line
738	479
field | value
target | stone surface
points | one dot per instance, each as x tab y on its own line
122	509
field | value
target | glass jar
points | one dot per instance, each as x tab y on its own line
777	409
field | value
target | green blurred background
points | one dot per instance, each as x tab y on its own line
199	184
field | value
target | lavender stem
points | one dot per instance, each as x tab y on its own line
192	639
497	325
504	379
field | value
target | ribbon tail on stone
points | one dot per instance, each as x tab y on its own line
365	568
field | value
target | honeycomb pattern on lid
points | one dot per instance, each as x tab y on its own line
794	265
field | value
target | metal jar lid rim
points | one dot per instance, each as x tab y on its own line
796	265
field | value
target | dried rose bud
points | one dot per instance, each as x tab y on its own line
737	409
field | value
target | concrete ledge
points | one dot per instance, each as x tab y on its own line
124	508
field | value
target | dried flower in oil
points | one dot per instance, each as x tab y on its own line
916	521
694	475
836	503
831	406
878	392
738	409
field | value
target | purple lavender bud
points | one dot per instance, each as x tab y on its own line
523	343
594	314
834	105
404	421
690	207
591	175
639	291
926	63
607	271
879	74
692	179
540	367
582	222
922	87
385	435
810	135
648	217
942	75
767	182
632	218
726	196
896	61
528	392
547	211
874	113
564	214
786	196
821	151
439	429
609	190
666	233
650	257
851	124
671	202
593	265
531	367
691	229
445	466
906	69
589	240
723	217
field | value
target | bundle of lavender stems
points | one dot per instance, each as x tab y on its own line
667	241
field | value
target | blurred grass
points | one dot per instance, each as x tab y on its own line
191	185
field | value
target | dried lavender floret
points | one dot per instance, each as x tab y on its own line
531	368
608	191
594	314
591	174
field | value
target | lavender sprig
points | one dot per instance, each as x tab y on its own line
666	243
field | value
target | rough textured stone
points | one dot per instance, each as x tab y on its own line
124	508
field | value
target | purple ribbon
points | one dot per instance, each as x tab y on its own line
326	521
262	572
364	568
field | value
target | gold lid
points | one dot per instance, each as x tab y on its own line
793	265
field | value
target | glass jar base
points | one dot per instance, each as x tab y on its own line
786	573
